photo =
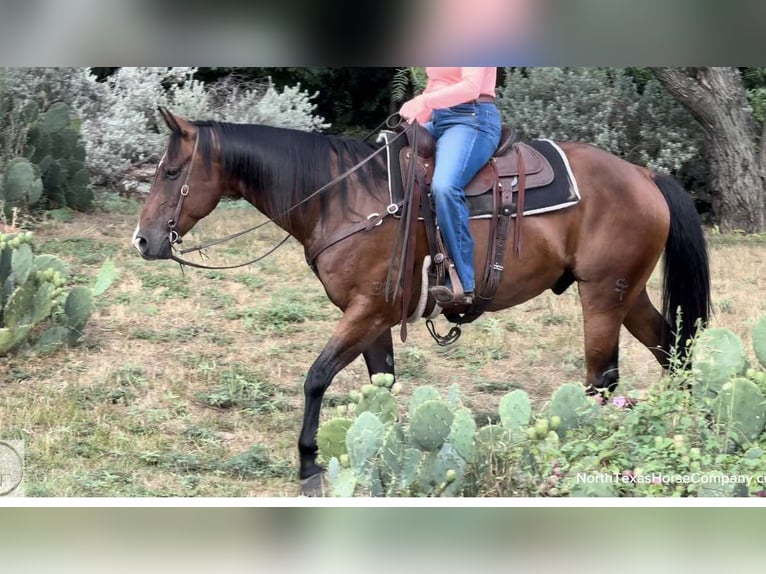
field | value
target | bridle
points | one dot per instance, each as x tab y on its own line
173	235
175	239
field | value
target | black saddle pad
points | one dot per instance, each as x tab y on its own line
560	194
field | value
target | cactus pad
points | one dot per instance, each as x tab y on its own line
740	407
570	403
717	356
421	395
56	118
463	434
515	409
378	401
22	263
21	182
331	438
759	341
430	425
364	439
78	307
10	338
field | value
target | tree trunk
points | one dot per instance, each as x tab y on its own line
736	152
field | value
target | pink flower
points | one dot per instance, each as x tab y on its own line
619	402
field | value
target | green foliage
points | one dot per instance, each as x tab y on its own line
44	153
35	307
672	442
623	110
21	184
717	356
572	406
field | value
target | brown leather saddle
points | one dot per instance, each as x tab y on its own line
514	168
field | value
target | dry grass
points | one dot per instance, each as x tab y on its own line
140	408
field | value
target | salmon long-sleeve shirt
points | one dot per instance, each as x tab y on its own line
448	87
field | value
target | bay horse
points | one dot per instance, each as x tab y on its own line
608	243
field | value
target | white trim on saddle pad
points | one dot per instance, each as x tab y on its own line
572	185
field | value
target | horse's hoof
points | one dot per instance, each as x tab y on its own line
314	485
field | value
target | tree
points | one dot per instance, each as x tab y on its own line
735	141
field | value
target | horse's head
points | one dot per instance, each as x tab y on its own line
187	186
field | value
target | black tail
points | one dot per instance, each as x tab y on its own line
686	283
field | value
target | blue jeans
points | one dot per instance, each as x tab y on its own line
467	136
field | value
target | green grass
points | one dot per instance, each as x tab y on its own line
191	384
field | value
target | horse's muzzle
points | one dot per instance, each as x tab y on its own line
151	246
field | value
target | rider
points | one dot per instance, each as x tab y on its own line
458	108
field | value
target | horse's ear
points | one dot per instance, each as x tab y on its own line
176	124
169	118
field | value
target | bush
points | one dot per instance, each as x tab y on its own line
118	117
672	442
604	107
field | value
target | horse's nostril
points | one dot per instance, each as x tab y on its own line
140	244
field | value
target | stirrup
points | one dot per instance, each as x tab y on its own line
445	296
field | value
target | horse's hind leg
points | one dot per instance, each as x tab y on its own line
379	356
604	310
646	324
359	328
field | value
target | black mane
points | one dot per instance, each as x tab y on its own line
285	165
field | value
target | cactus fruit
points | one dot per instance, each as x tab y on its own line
378	401
384	380
515	409
331	437
437	467
572	406
463	434
717	356
759	341
430	425
740	407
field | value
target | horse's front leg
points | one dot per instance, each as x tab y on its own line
360	327
379	356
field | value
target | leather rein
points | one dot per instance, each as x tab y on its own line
174	237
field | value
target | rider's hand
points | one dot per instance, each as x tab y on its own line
415	109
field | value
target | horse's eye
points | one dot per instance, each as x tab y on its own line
172	172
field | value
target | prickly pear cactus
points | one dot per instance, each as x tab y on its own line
740	408
378	401
331	438
421	395
22	184
515	409
56	118
718	355
463	434
572	407
32	291
78	307
363	441
759	341
430	425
